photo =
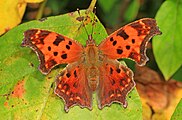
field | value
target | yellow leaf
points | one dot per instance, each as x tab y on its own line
33	1
11	13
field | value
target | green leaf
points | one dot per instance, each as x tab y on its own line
107	5
167	47
111	11
177	75
132	10
33	96
177	113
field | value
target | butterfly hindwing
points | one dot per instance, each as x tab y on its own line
52	48
72	87
116	80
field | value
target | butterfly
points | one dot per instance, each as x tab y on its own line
93	68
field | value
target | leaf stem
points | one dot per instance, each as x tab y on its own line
91	7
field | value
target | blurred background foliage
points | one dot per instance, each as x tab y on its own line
151	81
112	13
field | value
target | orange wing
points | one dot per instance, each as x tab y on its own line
52	48
116	81
72	87
130	41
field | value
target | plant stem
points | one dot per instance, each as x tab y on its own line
91	7
41	10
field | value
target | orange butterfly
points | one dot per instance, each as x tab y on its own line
93	68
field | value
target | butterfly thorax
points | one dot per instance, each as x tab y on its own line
91	52
92	64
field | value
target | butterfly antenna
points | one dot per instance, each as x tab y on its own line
82	19
94	20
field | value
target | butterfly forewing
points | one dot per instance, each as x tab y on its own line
130	41
52	48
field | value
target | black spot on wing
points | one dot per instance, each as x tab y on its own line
68	75
113	82
111	39
123	34
114	43
118	70
119	51
67	47
75	74
70	43
58	40
55	53
111	70
49	48
133	41
64	56
127	47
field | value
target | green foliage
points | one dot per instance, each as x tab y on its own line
107	5
177	113
177	75
167	47
113	14
132	10
56	6
39	101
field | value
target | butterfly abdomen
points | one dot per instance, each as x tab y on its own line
93	77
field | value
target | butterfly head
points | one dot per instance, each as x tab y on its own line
90	41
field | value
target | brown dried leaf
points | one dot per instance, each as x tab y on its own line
159	97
